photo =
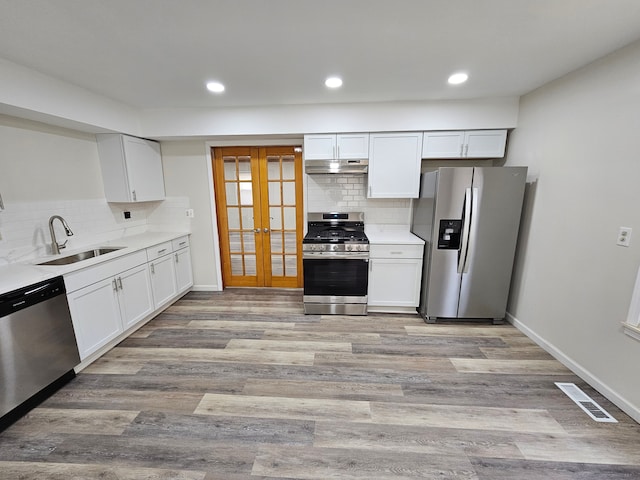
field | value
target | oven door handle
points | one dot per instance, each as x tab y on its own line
335	256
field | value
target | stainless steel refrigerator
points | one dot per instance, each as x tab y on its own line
469	219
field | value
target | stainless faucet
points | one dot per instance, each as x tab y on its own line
55	246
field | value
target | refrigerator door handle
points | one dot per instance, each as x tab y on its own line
474	205
464	247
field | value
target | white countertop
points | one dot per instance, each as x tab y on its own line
17	275
391	234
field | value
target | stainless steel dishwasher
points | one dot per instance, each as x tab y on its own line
38	349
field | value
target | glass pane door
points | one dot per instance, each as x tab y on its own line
238	205
259	206
281	185
240	214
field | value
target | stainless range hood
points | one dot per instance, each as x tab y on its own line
336	166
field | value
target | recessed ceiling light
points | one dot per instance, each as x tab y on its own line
458	78
215	87
333	82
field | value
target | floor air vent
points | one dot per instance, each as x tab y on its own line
585	402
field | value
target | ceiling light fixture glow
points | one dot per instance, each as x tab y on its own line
215	87
333	82
458	78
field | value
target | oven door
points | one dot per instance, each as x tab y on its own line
336	283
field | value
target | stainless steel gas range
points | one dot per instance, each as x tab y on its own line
335	256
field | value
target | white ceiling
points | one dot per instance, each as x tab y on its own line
160	53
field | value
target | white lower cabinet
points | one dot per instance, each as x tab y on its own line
134	295
171	272
184	273
395	273
109	299
182	255
103	310
163	280
96	316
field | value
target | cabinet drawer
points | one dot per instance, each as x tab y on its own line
178	243
396	251
95	273
159	250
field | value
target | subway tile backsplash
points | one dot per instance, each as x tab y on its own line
347	193
24	226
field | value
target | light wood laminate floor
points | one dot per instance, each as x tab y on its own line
241	385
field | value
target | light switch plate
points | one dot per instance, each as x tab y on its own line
624	237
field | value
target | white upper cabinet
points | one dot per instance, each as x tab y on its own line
464	144
485	143
352	146
347	146
319	147
394	165
131	168
443	145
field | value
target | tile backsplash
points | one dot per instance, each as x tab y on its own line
347	193
24	226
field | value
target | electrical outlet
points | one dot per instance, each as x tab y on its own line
190	213
127	215
624	237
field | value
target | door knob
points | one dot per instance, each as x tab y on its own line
266	230
256	230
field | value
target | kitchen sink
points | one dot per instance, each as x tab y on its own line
78	257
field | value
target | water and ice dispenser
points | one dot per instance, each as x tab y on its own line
449	233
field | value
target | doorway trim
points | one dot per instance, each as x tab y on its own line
244	142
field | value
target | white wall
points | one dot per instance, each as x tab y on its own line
572	285
29	94
60	164
362	117
47	170
186	171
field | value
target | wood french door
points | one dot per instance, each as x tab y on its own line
258	193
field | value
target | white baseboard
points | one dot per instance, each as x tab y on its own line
576	368
206	288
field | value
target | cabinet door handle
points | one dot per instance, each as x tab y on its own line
334	151
395	253
115	285
466	150
177	259
153	269
370	264
182	244
162	251
120	283
338	151
462	149
133	194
